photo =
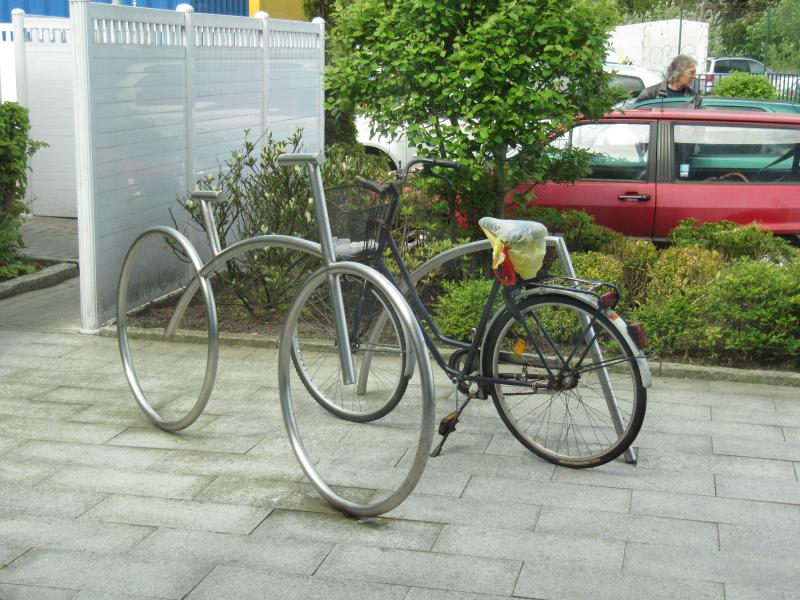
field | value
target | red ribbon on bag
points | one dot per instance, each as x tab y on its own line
506	275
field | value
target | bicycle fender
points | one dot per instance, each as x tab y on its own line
618	322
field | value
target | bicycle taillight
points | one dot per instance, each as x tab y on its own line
636	331
609	299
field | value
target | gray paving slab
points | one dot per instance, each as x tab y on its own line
748	592
23	473
706	565
166	512
762	539
578	497
104	573
239	583
120	481
544	580
383	532
422	569
717	464
47	503
70	534
34	592
627	527
750	488
144	437
270	493
263	552
714	509
618	474
466	511
545	548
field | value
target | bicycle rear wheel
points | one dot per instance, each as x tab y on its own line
591	405
377	343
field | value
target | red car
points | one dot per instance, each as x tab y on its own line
653	168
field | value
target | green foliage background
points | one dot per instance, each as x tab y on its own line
16	148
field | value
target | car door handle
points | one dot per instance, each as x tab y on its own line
634	197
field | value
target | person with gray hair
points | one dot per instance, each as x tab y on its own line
680	75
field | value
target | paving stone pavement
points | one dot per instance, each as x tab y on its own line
97	503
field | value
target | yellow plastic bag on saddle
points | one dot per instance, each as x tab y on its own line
520	242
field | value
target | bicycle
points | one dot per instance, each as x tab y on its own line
567	375
332	276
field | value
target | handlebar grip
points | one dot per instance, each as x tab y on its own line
447	164
369	185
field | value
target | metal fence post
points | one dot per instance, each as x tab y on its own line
18	19
188	57
320	23
265	56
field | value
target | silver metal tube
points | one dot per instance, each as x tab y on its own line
329	256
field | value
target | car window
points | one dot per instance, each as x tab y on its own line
632	85
736	108
745	154
619	150
756	67
723	66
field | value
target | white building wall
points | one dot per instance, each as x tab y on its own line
653	45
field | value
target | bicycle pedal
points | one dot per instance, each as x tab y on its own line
448	424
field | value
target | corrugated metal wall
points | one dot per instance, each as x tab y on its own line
60	8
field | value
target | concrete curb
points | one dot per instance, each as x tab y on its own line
658	368
41	279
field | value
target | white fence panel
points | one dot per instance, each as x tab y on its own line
49	74
228	61
8	81
162	97
295	94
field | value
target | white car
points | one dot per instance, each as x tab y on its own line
399	151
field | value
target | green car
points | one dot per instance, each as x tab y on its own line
718	103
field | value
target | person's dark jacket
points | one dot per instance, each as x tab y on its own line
659	90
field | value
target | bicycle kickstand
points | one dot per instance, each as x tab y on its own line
448	426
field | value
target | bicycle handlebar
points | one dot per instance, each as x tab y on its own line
402	174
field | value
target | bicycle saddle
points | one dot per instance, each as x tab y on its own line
523	242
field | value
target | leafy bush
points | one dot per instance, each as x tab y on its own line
459	308
749	314
679	267
16	148
263	198
577	226
733	240
637	258
744	85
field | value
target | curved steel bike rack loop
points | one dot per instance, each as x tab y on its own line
414	335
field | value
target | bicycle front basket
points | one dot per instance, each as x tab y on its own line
356	217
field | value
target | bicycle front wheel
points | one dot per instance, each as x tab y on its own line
377	343
582	403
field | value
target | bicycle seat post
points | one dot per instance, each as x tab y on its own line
206	198
313	163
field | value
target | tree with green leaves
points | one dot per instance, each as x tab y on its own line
486	83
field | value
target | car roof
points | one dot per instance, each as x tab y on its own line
709	115
710	101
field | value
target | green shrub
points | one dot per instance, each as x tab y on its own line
459	308
753	313
262	198
673	323
744	85
637	258
16	148
679	267
733	240
577	226
749	314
